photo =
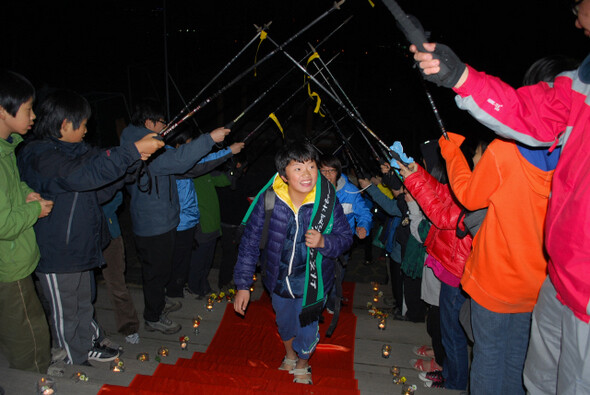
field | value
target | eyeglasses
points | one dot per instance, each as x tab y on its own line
576	6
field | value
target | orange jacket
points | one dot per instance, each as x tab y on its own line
507	266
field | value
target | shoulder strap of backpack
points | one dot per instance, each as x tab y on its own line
269	204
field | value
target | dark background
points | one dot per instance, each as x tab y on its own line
113	53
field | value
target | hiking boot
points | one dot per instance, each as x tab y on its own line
171	305
102	353
431	376
164	325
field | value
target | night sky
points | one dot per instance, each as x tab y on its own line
117	47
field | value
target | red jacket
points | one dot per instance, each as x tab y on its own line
441	208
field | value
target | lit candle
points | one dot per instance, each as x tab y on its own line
254	277
399	380
381	324
375	287
46	386
163	351
183	342
408	389
395	371
386	351
117	365
375	298
142	357
252	288
209	305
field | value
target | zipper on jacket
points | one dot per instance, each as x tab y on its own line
71	218
293	253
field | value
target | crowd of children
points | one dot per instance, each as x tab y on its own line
490	253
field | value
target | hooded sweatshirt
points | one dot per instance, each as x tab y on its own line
507	267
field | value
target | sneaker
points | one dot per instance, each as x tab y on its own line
132	338
171	305
425	365
102	353
106	342
329	310
431	376
434	384
58	354
164	325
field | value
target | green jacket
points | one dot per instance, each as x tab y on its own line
210	219
19	252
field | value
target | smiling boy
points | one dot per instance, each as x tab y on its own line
307	232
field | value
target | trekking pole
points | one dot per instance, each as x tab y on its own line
172	126
212	80
231	124
282	104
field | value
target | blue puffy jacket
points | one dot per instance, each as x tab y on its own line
285	252
75	176
355	208
187	196
154	198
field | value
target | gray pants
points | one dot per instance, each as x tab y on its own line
558	358
70	319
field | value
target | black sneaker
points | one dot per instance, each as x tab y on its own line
102	353
164	325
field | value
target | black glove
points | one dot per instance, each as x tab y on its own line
451	67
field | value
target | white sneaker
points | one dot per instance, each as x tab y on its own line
132	338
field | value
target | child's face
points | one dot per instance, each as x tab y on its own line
301	177
22	122
330	173
71	135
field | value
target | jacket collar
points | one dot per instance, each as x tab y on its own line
6	147
70	148
281	188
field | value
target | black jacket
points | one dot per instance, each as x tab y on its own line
78	178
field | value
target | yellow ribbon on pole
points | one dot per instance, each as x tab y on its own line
372	4
263	35
311	94
276	120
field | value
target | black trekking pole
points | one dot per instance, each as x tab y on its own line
212	80
299	89
231	124
350	113
325	67
209	99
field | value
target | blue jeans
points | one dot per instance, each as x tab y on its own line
454	340
499	351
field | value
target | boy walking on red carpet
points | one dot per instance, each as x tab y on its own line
306	233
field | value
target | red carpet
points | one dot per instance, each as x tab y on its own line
244	356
